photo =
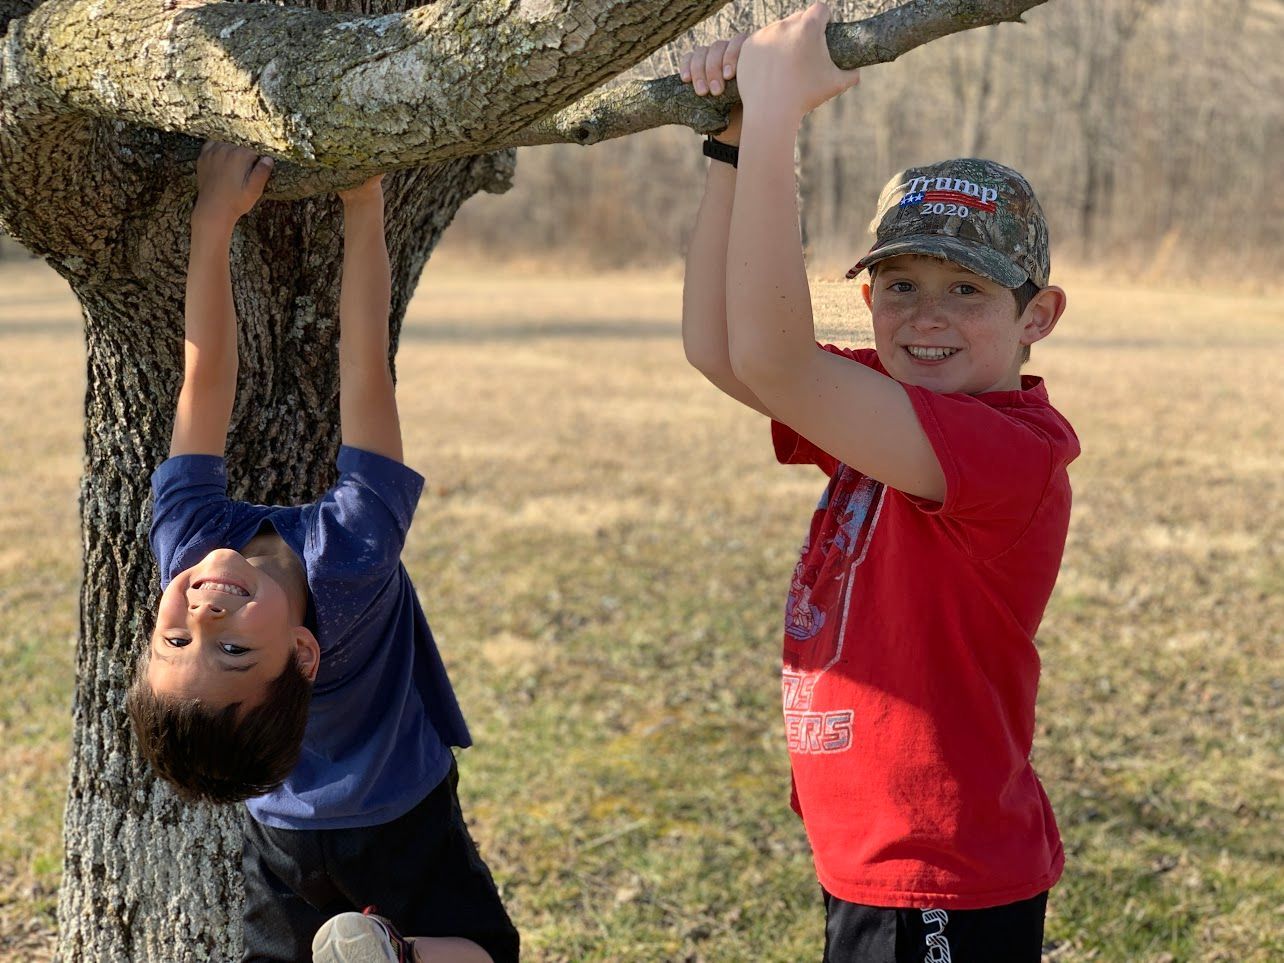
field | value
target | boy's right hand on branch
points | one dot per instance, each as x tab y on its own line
707	70
229	182
785	68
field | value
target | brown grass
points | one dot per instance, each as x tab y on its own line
603	550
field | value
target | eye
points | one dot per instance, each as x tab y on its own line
176	641
231	648
901	287
966	288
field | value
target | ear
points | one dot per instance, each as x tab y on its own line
1042	314
308	651
865	292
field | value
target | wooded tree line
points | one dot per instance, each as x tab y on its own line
1151	129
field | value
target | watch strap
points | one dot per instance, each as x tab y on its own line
717	150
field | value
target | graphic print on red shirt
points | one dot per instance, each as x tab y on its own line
813	639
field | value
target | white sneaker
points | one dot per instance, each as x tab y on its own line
360	938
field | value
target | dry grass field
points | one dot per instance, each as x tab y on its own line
604	548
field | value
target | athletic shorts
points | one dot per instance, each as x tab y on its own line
421	871
871	934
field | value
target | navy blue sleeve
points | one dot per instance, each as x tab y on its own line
355	538
189	508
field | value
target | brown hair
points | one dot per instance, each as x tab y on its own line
209	754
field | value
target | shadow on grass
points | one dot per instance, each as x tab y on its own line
1154	876
1202	831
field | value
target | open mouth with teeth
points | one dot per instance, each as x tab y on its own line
920	353
214	585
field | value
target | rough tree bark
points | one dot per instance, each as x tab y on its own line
102	103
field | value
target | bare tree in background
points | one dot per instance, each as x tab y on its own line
972	70
101	105
1161	151
1096	39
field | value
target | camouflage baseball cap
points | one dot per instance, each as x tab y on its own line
976	213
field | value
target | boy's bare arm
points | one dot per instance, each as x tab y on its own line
704	286
859	416
229	182
367	401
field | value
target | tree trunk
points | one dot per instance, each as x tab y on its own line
147	877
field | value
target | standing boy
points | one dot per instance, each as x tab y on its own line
910	669
291	665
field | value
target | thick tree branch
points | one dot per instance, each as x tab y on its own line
344	96
336	90
642	105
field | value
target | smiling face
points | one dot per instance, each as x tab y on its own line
224	630
941	327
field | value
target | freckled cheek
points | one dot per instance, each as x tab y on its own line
972	313
891	311
886	325
980	327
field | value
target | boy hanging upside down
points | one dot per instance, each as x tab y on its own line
291	665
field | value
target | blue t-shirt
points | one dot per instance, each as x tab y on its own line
383	711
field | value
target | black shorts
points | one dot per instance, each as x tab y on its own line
871	934
421	870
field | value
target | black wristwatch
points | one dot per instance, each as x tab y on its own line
716	149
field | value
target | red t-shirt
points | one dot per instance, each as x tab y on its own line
910	669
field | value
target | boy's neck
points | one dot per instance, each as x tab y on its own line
278	560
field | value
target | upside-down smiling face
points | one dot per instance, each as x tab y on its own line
941	327
224	631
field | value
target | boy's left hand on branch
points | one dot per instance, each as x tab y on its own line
229	182
368	191
708	69
785	69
